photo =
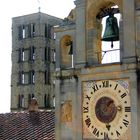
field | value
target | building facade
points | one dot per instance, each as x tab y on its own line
98	100
33	60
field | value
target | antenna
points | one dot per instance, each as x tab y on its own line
39	7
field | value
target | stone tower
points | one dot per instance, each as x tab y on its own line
96	100
33	60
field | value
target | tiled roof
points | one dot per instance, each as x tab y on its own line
27	126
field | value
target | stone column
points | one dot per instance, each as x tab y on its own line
58	56
57	110
135	116
138	33
77	111
129	47
80	33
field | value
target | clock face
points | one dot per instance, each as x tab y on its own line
106	108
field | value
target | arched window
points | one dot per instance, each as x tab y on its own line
66	51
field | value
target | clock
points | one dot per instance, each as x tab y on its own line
106	108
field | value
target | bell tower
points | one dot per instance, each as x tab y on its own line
98	100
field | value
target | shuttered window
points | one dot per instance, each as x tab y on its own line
47	76
21	32
32	53
48	31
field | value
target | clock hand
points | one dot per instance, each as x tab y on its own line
119	108
108	126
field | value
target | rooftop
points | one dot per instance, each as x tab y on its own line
27	126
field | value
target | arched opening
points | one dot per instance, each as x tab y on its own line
99	51
110	31
66	52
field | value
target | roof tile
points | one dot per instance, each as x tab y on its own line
24	125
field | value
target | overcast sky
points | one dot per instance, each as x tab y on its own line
14	8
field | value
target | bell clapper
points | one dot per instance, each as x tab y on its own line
111	44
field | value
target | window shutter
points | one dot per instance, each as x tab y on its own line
47	77
47	54
30	77
47	101
33	76
33	30
20	77
19	101
19	55
32	53
29	30
53	55
22	100
20	32
29	98
48	31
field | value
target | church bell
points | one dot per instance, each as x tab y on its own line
111	32
70	44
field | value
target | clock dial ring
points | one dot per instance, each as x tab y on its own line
115	123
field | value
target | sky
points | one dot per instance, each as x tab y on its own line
14	8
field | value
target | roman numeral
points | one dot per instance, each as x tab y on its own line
116	86
125	122
85	109
117	133
95	132
127	109
105	84
123	95
88	97
95	88
88	122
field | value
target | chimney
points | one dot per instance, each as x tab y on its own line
33	106
34	112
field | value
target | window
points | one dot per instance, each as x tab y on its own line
53	54
22	32
30	97
26	77
31	30
48	31
31	77
32	53
47	101
21	54
47	77
21	77
26	31
54	101
21	101
54	36
47	54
